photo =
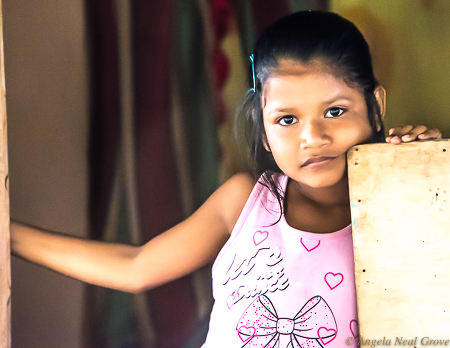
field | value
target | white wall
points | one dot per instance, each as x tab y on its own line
47	108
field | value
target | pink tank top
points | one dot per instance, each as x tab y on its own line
276	286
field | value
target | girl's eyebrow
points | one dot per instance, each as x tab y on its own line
337	98
283	110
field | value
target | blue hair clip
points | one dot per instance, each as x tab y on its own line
252	58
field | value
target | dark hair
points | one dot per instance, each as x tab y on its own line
305	36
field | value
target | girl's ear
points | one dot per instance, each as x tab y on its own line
380	95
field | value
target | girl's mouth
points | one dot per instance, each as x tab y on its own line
317	161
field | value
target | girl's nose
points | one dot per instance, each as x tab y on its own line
313	135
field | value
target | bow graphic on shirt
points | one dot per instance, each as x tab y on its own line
313	326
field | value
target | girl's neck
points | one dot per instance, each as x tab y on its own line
317	210
335	195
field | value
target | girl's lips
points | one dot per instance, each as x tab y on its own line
314	161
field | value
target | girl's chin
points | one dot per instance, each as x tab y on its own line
324	180
323	184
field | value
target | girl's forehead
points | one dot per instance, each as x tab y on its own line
306	87
287	67
308	81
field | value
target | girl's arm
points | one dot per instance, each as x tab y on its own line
172	254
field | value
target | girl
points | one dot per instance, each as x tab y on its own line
283	275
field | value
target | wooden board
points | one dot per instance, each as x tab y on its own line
400	203
5	258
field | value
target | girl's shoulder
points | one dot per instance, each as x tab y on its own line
233	195
241	181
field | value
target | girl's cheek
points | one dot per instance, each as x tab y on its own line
358	133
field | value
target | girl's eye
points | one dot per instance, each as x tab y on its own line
287	120
334	112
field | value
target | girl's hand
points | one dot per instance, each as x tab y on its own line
410	133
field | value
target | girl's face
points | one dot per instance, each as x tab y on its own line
311	119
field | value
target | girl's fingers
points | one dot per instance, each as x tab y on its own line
392	134
399	131
430	134
413	133
396	134
409	133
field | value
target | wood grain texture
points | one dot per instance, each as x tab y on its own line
5	258
400	202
